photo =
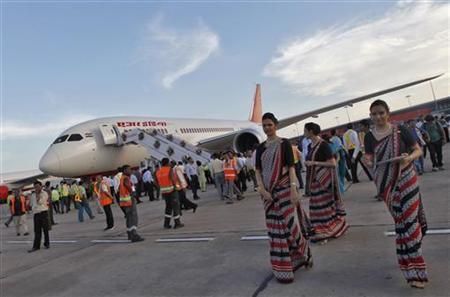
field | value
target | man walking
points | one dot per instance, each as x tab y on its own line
147	178
352	146
128	203
17	206
166	182
218	175
191	172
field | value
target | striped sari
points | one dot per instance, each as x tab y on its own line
326	209
400	191
287	224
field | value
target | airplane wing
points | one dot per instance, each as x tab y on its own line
297	118
23	178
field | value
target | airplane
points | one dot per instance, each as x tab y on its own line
80	151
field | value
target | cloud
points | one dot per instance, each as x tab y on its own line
21	130
410	41
176	52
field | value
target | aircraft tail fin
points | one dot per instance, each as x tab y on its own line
256	113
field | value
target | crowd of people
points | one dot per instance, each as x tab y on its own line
391	155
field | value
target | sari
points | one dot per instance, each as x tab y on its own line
287	224
399	189
326	209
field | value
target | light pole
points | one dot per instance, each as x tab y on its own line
434	96
409	99
348	115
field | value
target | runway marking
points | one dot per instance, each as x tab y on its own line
110	241
187	239
429	232
51	241
254	237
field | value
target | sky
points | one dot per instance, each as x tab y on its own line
64	62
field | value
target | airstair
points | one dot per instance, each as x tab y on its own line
157	144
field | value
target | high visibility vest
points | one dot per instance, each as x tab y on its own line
229	170
349	145
165	184
124	193
78	193
12	205
104	197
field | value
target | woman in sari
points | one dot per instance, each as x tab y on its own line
286	222
391	150
326	210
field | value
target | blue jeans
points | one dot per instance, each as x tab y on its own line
84	206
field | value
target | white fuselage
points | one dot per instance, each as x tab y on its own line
80	150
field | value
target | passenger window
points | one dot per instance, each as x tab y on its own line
60	139
75	137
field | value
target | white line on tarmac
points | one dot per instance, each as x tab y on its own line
255	237
193	239
429	232
110	241
51	241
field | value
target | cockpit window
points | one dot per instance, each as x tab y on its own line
75	137
60	139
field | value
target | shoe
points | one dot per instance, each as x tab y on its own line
25	234
47	246
93	217
18	234
33	250
137	238
229	201
179	225
7	225
434	169
129	235
417	285
167	227
194	209
441	168
108	228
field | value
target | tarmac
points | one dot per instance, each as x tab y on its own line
209	258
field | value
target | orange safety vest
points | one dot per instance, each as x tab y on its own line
124	193
105	199
12	203
229	169
163	176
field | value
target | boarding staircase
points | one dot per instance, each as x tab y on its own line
157	144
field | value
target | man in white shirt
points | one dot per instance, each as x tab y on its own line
191	172
241	173
117	178
135	185
352	146
39	206
218	175
147	178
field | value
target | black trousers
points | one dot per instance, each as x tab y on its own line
116	195
241	182
172	207
149	191
109	216
184	202
353	165
436	153
41	224
194	186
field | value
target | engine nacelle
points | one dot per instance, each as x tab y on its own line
246	140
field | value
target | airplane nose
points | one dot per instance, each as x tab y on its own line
49	163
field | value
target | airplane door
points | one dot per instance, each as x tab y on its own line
109	134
